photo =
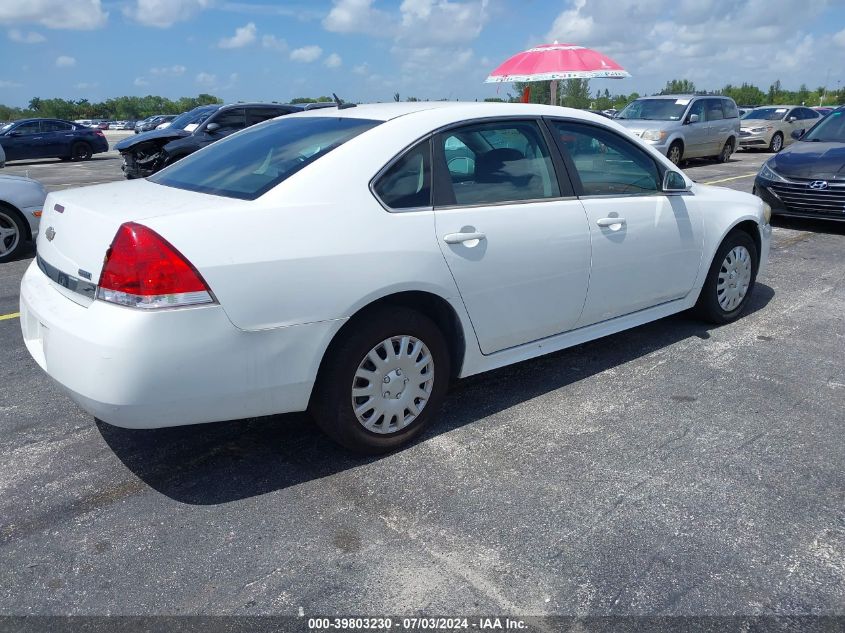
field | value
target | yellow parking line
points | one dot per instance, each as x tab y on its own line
713	182
13	315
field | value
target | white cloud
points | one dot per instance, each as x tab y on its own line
333	61
141	82
65	61
361	69
839	38
28	37
165	13
244	36
306	54
271	42
711	43
54	14
176	70
86	85
206	79
356	16
9	84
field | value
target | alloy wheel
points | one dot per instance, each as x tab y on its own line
393	384
9	234
734	278
777	143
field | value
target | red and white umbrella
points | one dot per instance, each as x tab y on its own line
551	62
557	61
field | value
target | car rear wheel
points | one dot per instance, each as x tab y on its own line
12	233
675	153
383	381
777	143
726	152
730	280
81	151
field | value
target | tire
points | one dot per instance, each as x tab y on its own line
347	363
675	153
12	234
81	151
777	143
725	155
723	304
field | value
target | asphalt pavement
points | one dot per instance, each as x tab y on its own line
674	469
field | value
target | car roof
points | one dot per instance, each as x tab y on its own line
456	110
263	104
781	105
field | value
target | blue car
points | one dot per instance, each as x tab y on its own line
808	177
50	138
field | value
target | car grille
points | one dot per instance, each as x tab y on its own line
799	197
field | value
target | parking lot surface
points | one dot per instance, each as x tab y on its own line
674	469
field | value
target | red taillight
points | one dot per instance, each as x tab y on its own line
99	133
144	270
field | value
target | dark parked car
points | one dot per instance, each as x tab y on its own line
145	154
51	138
808	177
151	122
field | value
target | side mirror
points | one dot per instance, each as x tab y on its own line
797	134
211	128
13	133
693	118
791	119
674	182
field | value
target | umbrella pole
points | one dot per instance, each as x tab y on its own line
553	91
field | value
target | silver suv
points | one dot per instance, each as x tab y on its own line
685	126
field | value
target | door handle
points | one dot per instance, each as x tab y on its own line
458	238
610	221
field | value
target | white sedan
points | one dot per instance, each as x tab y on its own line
399	247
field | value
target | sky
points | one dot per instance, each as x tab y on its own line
368	50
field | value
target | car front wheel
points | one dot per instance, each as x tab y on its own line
675	153
12	233
730	280
777	143
383	382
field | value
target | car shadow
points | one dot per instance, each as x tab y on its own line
57	161
813	225
217	463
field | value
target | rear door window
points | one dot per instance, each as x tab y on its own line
249	164
257	115
56	126
729	108
495	163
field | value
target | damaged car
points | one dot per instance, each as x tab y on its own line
145	154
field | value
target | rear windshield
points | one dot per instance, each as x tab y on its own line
248	164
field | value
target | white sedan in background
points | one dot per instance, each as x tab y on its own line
400	246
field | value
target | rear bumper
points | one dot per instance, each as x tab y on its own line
139	369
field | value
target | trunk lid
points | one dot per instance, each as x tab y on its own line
78	225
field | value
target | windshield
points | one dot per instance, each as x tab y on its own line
830	129
6	127
655	109
766	114
248	164
195	116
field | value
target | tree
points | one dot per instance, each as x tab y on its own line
678	86
574	93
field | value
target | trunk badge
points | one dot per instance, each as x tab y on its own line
50	233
